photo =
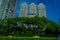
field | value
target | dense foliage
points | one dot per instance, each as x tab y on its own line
24	26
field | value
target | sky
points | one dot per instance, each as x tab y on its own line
52	8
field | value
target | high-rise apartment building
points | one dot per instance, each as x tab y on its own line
0	8
41	10
32	10
23	10
3	4
8	9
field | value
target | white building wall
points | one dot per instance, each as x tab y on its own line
32	8
23	10
41	10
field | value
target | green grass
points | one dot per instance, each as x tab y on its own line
27	38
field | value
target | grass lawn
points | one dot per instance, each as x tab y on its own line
27	38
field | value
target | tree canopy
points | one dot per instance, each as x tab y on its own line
29	26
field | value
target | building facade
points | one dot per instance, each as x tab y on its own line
32	10
0	8
8	9
41	10
23	10
3	4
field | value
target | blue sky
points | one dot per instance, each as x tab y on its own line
52	8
